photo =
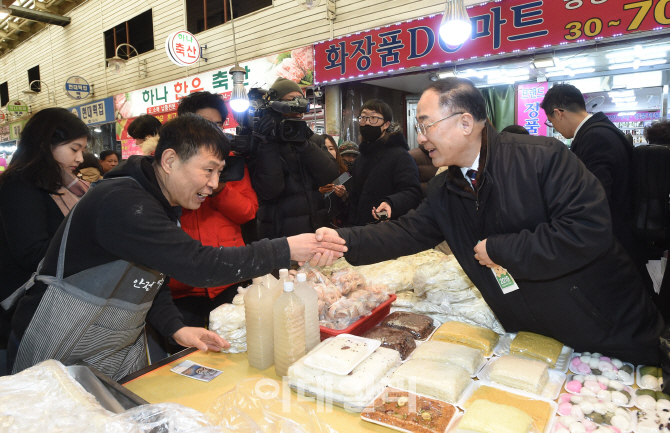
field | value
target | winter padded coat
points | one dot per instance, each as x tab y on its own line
427	170
384	172
217	223
546	220
286	178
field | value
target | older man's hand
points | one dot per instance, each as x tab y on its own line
320	249
482	256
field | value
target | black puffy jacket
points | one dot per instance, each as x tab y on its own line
286	178
545	219
384	172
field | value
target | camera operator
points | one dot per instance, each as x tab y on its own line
286	175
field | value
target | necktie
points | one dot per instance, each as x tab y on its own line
472	175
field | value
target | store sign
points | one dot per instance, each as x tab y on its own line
296	65
529	114
77	88
4	133
499	27
182	48
101	111
15	129
639	116
17	108
2	117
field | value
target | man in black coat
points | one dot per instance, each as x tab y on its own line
607	154
529	225
385	176
286	177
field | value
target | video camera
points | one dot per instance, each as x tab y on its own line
264	103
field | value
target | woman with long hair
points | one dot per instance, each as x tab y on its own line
37	191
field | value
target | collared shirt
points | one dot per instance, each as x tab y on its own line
580	125
475	167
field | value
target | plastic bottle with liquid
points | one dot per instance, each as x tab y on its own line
278	288
289	330
258	310
311	300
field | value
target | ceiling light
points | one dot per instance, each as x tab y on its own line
239	101
626	113
4	12
456	27
544	62
449	74
624	100
622	94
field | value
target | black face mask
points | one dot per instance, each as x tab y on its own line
350	165
370	133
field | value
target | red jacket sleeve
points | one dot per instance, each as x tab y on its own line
237	201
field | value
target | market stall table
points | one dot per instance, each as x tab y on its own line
157	384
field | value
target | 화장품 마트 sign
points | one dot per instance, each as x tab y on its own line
529	114
182	48
498	27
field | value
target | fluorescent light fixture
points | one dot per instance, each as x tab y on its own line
449	74
626	105
471	73
626	54
622	94
641	63
636	63
544	62
456	27
626	113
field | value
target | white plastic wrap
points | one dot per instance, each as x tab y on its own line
394	274
164	417
229	323
256	405
423	257
405	300
442	275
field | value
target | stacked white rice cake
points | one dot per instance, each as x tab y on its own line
520	373
355	389
435	379
450	353
484	416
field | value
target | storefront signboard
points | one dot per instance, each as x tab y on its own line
4	133
296	65
16	128
182	48
101	111
638	116
499	27
77	88
2	117
528	111
17	108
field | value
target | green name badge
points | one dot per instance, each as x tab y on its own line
504	279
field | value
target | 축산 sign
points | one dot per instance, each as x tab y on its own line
182	48
77	88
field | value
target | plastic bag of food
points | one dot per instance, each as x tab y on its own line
340	263
423	257
444	275
258	405
313	274
405	300
165	417
347	280
229	322
396	275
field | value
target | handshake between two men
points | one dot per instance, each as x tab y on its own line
319	249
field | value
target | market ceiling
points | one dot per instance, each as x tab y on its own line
29	17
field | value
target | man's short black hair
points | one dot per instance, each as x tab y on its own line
564	96
658	132
187	134
516	129
460	94
199	100
105	153
144	126
380	107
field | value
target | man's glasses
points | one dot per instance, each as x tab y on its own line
372	120
420	128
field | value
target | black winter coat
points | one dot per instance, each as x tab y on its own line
546	220
608	155
286	179
384	172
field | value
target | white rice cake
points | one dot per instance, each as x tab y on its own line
357	383
520	373
484	416
435	379
450	353
340	354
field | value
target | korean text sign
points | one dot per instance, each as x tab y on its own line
529	114
497	28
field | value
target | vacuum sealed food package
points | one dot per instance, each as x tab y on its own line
442	381
341	354
253	406
396	339
416	324
484	416
396	275
442	275
470	335
520	373
536	346
463	356
348	280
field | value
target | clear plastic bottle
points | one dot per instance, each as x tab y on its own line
289	330
311	300
258	310
278	288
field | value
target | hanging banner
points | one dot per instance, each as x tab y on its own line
101	111
529	114
296	65
499	27
638	116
